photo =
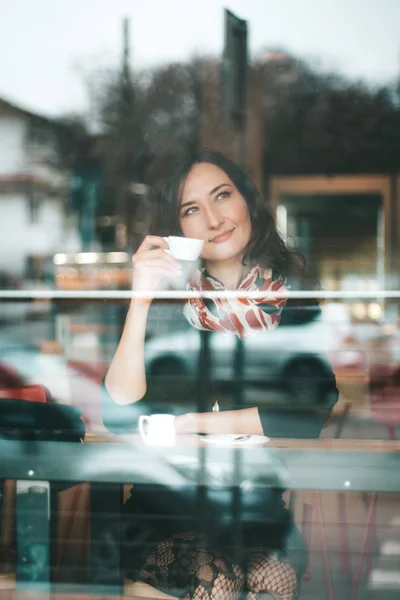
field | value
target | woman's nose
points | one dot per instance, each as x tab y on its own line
213	218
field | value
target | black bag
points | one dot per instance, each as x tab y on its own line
28	421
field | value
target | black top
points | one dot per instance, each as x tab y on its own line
290	420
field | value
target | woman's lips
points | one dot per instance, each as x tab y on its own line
218	239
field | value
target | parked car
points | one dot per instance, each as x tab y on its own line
298	355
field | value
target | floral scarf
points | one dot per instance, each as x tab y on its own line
239	315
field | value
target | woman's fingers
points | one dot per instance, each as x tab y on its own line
155	273
155	254
150	241
151	264
154	263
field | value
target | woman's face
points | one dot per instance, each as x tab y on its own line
212	209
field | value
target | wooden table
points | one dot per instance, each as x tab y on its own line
350	444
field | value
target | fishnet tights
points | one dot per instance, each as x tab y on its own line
184	563
266	573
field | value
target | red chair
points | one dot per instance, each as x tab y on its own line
385	398
385	409
30	393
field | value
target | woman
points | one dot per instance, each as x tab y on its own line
212	199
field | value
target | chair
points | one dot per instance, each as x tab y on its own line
40	394
385	409
29	393
385	398
318	507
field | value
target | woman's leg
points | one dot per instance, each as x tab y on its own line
296	551
183	566
271	577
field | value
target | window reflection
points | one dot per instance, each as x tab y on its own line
80	180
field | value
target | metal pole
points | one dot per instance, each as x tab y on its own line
239	373
204	371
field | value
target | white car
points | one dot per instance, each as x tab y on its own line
298	355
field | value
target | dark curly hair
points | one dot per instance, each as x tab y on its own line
266	247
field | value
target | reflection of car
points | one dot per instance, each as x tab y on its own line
12	310
298	355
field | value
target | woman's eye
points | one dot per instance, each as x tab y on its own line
190	211
224	194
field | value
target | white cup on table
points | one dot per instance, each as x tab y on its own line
158	430
183	248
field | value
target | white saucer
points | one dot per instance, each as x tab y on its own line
231	439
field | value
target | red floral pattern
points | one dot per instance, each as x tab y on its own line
239	315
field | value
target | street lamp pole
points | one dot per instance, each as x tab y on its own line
235	80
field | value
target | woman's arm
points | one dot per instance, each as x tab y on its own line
124	386
126	379
286	422
123	392
229	421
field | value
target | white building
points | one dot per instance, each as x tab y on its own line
33	194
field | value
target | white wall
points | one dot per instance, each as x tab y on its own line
13	236
19	238
12	145
47	234
51	217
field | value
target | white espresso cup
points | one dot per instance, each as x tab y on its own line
183	248
157	430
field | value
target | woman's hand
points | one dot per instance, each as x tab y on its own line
188	423
151	266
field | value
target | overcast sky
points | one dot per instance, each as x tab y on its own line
44	44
